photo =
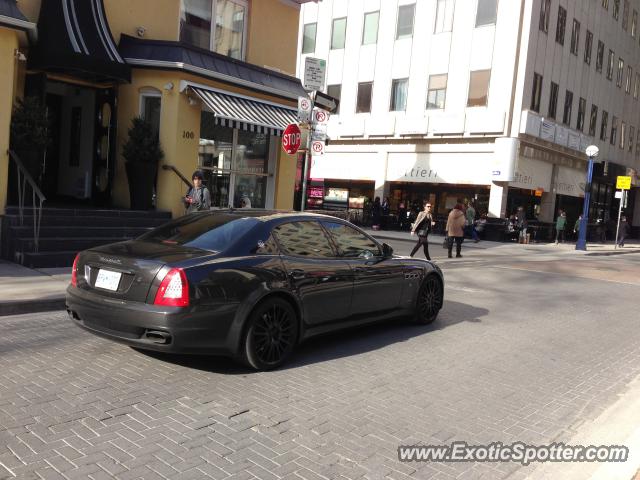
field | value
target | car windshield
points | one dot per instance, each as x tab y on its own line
207	232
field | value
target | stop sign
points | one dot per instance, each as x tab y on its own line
291	139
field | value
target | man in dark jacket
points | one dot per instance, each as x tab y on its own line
198	196
623	231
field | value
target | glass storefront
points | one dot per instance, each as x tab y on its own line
235	163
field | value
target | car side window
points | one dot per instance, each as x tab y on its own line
303	239
351	242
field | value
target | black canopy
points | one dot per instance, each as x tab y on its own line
74	38
181	56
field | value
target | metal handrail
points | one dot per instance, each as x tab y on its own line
25	177
177	172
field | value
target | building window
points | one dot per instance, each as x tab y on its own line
603	126
309	38
636	86
610	61
593	120
363	104
437	92
627	83
196	23
370	28
634	24
487	12
625	15
614	130
545	10
536	92
150	104
562	21
404	26
444	16
623	135
620	72
599	56
338	33
399	91
632	135
335	91
616	9
582	110
568	104
479	88
587	47
575	36
553	100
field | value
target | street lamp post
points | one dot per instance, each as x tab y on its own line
592	152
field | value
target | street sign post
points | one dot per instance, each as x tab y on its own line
304	109
291	138
317	147
623	183
623	203
314	73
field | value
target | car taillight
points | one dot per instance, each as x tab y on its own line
74	272
173	290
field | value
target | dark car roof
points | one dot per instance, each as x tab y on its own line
266	215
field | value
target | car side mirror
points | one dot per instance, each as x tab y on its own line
387	251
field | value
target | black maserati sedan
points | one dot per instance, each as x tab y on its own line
250	284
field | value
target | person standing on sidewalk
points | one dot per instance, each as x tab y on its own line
561	223
423	225
471	222
455	229
576	227
198	196
522	224
623	231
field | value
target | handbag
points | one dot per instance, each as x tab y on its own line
445	243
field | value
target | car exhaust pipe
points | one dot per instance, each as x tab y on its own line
158	337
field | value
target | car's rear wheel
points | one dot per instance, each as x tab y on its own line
429	301
272	331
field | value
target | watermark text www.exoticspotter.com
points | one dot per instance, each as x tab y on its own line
515	452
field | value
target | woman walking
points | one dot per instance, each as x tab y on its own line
423	225
455	229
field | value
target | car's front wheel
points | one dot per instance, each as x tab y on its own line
272	331
429	301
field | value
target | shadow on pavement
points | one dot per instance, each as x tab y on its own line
344	343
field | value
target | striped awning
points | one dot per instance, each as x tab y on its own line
246	114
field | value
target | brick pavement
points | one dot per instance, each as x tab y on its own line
76	406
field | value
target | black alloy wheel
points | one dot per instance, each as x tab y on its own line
271	335
429	300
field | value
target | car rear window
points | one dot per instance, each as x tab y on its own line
207	232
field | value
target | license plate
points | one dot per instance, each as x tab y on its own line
108	280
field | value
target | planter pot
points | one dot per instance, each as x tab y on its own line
141	178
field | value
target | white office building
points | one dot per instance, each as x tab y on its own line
490	100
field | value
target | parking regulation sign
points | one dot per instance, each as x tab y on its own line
623	182
317	148
320	116
304	109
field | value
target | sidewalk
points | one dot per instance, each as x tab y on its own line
23	290
631	245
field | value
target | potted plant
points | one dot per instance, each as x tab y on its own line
29	134
142	153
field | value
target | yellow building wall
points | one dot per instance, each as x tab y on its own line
8	45
273	35
160	18
285	180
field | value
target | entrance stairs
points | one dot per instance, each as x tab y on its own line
66	231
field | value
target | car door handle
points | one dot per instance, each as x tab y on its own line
297	274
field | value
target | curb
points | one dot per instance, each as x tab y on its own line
19	307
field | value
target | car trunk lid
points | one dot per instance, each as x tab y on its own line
126	270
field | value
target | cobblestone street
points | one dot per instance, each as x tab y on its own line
527	348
